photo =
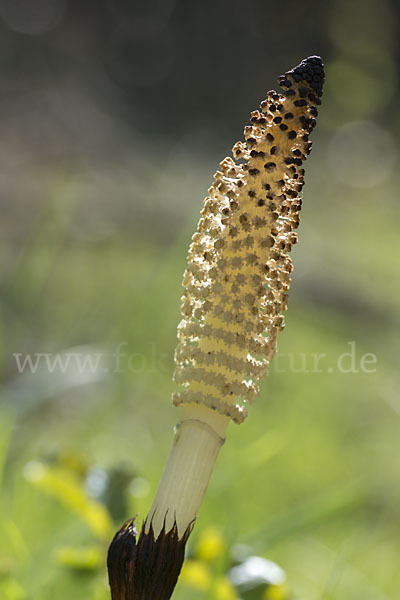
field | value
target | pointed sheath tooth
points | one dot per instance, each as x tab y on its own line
120	561
147	568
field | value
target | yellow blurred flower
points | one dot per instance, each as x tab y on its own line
276	592
66	487
196	574
211	544
224	590
11	589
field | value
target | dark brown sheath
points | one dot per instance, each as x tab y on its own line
147	569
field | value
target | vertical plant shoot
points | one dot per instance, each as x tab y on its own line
235	291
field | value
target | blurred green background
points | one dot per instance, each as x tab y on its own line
114	115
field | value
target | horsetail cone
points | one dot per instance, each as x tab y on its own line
235	290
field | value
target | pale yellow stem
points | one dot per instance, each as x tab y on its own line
198	438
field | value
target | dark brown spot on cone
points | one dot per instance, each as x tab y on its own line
146	569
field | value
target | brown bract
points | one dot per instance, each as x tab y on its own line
148	569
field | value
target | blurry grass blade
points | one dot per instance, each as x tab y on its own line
262	449
322	508
47	237
6	429
85	559
15	539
